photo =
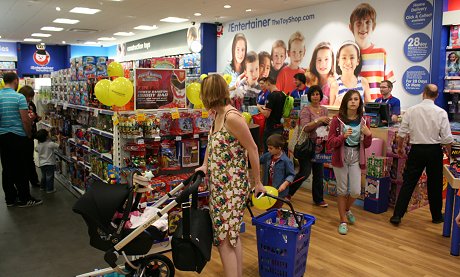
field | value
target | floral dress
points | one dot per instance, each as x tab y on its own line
229	185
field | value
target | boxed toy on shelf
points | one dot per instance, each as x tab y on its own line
452	63
453	38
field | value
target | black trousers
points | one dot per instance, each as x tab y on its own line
33	177
422	156
305	168
15	176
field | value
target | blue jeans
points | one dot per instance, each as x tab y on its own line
48	177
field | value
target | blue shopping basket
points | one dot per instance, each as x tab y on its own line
282	250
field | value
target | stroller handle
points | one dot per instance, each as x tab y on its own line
190	186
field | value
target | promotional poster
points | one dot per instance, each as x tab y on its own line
41	59
159	88
339	45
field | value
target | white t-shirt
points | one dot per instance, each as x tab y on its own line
46	154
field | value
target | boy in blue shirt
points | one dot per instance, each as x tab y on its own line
278	169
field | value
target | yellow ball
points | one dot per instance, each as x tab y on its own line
121	91
102	92
228	78
202	76
247	116
115	69
265	202
193	93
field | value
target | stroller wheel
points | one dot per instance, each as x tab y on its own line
156	265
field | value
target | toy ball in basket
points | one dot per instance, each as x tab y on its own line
265	202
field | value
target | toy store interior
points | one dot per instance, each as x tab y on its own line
122	126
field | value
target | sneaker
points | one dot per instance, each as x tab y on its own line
32	202
51	191
11	204
322	204
343	228
351	218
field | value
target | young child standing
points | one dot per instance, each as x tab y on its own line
349	135
374	59
278	169
296	52
46	159
278	57
348	68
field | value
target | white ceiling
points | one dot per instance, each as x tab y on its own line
20	18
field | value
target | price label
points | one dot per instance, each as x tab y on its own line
64	106
115	119
175	113
95	112
178	138
140	116
204	113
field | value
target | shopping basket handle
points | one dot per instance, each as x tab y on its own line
299	223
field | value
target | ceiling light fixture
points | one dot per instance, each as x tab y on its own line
124	34
227	6
197	14
40	35
32	39
107	38
91	42
146	27
249	10
63	42
58	9
66	21
83	10
52	29
172	19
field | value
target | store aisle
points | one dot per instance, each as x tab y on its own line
46	240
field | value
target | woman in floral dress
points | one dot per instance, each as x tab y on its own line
226	165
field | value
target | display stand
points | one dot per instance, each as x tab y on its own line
451	211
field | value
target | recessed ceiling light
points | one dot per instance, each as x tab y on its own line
146	27
107	38
0	36
66	21
32	39
52	29
90	42
173	19
249	10
84	10
58	9
40	35
124	34
63	42
227	6
42	43
197	14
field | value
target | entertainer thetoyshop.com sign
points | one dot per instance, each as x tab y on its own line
160	88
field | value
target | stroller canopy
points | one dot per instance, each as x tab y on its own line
100	202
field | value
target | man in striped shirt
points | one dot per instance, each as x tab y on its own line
374	59
15	130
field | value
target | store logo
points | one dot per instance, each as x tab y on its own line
41	56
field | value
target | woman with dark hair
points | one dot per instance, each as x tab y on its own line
349	135
236	66
313	118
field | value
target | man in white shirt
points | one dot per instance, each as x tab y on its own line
428	128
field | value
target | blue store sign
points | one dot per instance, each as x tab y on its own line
8	51
415	79
418	14
417	47
41	59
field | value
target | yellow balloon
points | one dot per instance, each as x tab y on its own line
121	91
102	92
115	69
228	78
19	87
247	116
202	76
2	84
193	93
265	202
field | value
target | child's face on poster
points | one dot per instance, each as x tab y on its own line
348	60
362	30
252	72
296	52
240	51
264	67
324	61
279	56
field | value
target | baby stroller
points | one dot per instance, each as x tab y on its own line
98	206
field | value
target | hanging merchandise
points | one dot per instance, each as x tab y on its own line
193	94
121	91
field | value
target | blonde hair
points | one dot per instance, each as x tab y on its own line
214	92
296	36
278	43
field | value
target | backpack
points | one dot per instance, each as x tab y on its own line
288	105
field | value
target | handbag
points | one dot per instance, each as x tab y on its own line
304	147
191	243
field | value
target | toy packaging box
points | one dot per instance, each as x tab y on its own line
376	195
453	38
452	63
